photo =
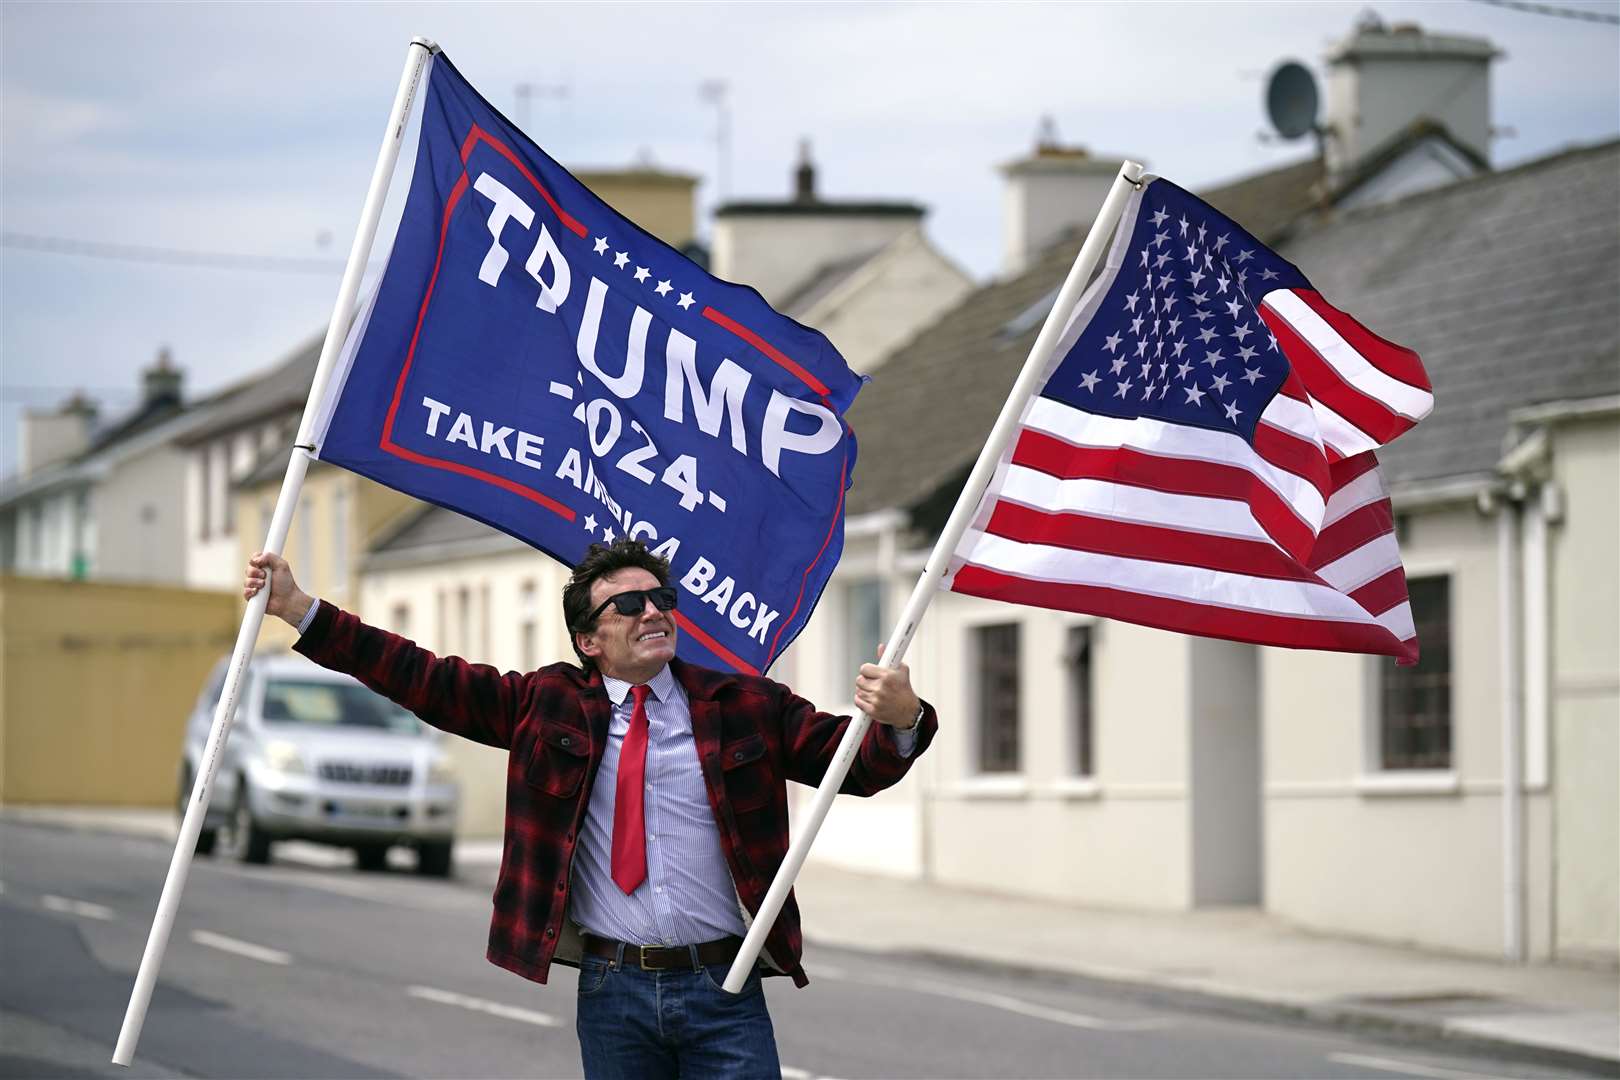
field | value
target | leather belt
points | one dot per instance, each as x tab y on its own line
664	957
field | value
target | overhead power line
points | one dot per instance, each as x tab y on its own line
1556	12
218	260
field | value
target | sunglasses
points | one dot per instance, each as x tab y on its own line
634	602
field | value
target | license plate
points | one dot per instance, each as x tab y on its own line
365	810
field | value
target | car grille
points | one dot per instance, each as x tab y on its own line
349	772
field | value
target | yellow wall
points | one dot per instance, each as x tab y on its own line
96	682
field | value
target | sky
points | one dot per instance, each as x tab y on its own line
252	129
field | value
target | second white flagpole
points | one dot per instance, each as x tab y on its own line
416	58
967	504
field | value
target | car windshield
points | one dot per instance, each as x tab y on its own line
334	705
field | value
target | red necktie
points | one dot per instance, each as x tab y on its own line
629	859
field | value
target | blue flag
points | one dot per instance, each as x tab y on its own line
533	359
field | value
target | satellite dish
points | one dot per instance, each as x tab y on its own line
1291	100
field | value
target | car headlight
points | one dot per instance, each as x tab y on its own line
284	757
440	771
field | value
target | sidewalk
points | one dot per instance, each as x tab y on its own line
1236	957
1239	958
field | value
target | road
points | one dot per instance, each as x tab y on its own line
308	968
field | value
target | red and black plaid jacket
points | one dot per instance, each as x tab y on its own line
752	735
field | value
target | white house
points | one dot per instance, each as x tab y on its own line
1468	803
862	272
100	504
258	417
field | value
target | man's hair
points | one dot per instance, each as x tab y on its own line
600	561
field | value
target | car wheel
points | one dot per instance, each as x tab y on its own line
207	838
248	842
435	858
371	857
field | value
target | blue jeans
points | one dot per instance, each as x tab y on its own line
643	1025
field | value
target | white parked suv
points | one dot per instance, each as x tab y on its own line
315	755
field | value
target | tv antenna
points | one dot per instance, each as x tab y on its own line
713	92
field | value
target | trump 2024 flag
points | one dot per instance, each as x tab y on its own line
1200	456
533	359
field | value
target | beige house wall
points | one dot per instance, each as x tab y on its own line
1130	817
1352	848
140	533
1585	688
950	821
502	592
776	253
96	682
1343	845
882	834
882	305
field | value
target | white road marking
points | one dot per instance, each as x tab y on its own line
493	1008
304	868
342	887
240	948
1407	1067
790	1073
82	908
1006	1003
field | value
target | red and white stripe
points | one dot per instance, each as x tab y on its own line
1290	541
1362	389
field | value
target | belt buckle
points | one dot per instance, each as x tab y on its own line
641	958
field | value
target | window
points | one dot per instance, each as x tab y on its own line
483	619
863	625
463	620
205	491
82	536
237	457
529	625
996	648
400	619
340	541
1077	661
304	538
327	704
1415	729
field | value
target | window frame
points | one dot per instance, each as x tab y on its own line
1376	778
978	632
1080	719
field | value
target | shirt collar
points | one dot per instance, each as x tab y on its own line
663	685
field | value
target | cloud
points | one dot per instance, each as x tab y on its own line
252	127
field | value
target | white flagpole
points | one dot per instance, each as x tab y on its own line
967	504
416	57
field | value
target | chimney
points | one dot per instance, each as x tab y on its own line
160	383
1384	79
780	245
46	438
1053	190
804	176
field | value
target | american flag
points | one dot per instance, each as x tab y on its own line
1200	457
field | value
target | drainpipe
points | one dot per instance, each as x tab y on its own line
888	555
1510	586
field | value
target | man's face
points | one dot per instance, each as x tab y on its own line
629	647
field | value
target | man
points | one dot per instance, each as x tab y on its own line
646	805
